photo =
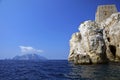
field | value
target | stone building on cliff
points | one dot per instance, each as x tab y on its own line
97	41
104	11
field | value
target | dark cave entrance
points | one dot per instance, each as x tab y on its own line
112	49
108	39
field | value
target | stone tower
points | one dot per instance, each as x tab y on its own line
104	11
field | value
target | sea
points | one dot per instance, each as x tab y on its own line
57	70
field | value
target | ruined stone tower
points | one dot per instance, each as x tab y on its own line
104	11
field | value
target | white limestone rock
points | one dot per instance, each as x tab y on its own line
88	42
112	37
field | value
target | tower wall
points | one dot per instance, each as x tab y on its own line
104	11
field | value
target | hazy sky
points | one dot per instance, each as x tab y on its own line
43	26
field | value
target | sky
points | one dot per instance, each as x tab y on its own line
43	26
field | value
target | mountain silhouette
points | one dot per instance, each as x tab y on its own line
29	57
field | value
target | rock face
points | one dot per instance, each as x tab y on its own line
96	42
112	36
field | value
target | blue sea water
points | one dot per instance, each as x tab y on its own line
57	70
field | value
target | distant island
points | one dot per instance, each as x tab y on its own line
35	57
97	41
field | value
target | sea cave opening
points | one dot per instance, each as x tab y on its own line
108	39
112	49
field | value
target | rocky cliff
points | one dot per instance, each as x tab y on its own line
96	42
